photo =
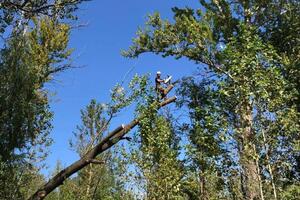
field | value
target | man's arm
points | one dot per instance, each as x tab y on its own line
160	80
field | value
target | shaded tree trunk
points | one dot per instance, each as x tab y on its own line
203	191
250	174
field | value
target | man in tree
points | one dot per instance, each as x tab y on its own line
160	90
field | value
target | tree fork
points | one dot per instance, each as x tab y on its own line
112	138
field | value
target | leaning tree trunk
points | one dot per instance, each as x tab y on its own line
89	158
248	154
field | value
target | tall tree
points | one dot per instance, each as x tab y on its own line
96	181
35	49
205	131
155	153
34	39
228	37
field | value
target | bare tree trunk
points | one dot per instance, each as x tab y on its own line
110	140
272	181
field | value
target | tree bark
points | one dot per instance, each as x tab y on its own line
110	140
248	154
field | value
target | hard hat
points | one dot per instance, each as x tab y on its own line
158	72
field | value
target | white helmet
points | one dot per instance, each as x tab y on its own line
158	72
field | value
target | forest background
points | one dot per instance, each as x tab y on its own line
233	132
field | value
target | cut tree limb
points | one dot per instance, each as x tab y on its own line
111	139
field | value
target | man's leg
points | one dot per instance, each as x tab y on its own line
163	93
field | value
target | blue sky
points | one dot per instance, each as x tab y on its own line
111	27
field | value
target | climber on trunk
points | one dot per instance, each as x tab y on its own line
162	92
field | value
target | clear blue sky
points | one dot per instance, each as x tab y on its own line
111	26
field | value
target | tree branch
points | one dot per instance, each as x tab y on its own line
43	9
110	140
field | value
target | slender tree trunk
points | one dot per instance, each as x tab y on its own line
259	176
269	166
90	167
201	184
89	185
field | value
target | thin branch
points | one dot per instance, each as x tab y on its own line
126	138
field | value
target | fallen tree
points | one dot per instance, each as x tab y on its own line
90	157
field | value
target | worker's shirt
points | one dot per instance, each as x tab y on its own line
158	82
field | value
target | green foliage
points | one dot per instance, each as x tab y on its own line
18	180
27	63
292	192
